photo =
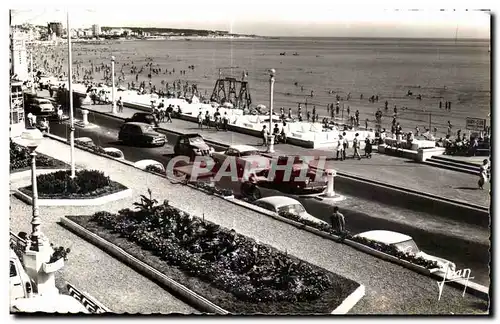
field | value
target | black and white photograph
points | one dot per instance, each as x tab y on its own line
249	158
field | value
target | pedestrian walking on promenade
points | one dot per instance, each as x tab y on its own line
217	119
340	148
337	220
264	134
366	123
345	144
483	174
290	113
355	144
225	121
207	119
59	114
200	120
368	147
169	112
120	105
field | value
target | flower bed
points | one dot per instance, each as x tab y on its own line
86	184
389	249
212	189
229	269
20	159
97	149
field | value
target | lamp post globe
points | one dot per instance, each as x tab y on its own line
32	138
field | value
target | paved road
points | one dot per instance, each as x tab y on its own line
466	245
397	171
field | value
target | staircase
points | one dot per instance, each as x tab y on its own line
454	165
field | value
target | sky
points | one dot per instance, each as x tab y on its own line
270	18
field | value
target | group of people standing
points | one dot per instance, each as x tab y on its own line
343	145
220	121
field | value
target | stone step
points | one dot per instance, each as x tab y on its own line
436	163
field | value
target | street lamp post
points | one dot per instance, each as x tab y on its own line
32	73
38	250
270	148
32	139
70	93
113	85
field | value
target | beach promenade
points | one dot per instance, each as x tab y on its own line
397	171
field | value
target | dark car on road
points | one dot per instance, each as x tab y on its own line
141	133
143	117
192	145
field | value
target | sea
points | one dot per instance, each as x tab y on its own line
454	70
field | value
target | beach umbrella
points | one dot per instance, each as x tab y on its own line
214	104
261	106
227	105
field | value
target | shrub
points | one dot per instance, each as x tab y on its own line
97	149
231	262
60	182
155	168
59	253
20	158
213	190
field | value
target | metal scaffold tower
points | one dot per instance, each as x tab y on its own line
230	89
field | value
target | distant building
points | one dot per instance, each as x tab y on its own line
55	27
19	59
96	30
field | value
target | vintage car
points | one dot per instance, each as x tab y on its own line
300	167
280	204
143	117
246	158
192	145
21	286
404	243
142	134
40	106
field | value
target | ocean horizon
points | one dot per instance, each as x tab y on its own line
452	70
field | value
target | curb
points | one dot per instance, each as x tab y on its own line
193	298
477	289
75	202
350	301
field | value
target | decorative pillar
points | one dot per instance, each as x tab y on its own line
85	114
330	189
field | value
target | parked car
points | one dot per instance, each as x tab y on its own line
143	117
280	204
40	106
57	303
192	145
21	285
404	243
141	133
246	156
300	167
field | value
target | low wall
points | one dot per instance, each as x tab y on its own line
409	199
